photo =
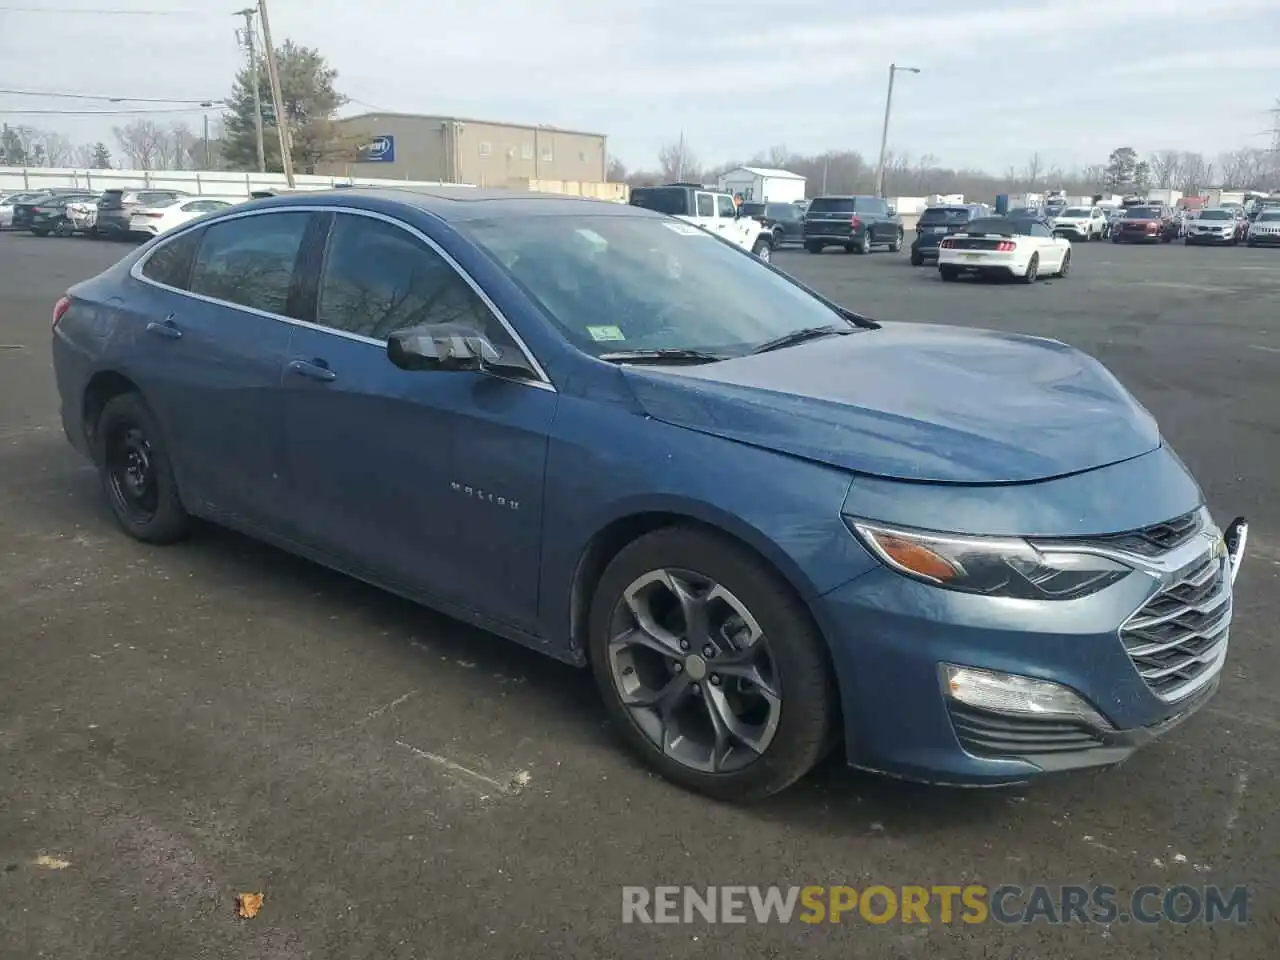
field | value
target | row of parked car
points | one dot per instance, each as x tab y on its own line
65	211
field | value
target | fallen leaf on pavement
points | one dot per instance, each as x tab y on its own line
51	863
248	904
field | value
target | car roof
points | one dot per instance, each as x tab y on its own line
456	204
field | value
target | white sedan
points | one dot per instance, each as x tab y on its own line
159	218
1020	247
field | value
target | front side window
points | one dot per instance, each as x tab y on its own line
725	207
250	260
379	278
171	262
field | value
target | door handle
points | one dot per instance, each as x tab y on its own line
315	369
167	329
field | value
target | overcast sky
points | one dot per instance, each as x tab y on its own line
999	78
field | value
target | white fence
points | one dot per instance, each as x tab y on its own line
216	182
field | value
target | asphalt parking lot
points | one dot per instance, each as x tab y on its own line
180	725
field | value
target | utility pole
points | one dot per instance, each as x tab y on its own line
277	97
251	44
680	160
884	134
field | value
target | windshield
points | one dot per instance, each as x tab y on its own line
1142	213
1006	226
620	283
832	205
947	215
1077	212
1216	215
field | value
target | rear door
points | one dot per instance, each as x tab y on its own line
212	333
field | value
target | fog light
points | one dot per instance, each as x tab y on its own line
1010	694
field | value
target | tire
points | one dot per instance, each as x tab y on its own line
812	247
1066	265
126	430
39	232
799	726
863	246
896	246
948	274
763	248
917	260
1033	269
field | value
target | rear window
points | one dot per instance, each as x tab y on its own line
945	215
833	205
753	209
1006	226
110	199
782	211
673	201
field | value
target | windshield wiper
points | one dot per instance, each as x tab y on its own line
800	336
666	355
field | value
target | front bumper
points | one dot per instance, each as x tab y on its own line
1264	239
893	636
1134	236
1073	231
1221	239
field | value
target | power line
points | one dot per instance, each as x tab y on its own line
96	113
94	96
106	13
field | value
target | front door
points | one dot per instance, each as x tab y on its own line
425	479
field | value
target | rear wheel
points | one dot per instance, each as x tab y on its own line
136	472
917	260
1033	269
948	273
710	665
813	247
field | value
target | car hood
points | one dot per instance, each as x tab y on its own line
913	402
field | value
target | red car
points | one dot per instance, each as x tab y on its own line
1149	224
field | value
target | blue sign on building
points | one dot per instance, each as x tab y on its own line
381	149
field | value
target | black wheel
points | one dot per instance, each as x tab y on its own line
136	473
39	232
1033	269
710	666
813	247
763	248
917	260
863	246
948	273
897	243
1066	265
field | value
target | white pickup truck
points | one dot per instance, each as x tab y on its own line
709	209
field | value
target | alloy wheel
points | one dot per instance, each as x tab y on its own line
694	671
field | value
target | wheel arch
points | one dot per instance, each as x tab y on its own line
101	389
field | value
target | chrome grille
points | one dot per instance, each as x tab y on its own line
1156	539
1179	637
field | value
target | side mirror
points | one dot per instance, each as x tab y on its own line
450	347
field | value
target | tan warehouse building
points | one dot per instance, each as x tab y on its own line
411	146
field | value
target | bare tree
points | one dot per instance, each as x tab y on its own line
778	156
58	150
677	162
1164	166
143	144
85	155
617	171
1035	166
1091	177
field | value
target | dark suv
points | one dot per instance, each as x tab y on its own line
936	223
115	209
784	220
855	223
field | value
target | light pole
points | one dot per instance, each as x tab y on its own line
884	134
208	162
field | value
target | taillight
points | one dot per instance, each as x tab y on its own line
855	223
60	308
1006	246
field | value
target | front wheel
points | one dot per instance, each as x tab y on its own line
896	246
1066	264
39	232
762	248
136	472
710	666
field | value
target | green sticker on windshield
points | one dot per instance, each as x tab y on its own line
605	333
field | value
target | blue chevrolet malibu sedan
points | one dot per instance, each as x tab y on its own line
768	525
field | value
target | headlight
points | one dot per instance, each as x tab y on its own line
992	566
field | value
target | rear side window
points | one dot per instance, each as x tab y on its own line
780	211
871	205
171	262
379	278
673	201
111	199
832	205
250	260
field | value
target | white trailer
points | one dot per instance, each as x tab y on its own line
763	184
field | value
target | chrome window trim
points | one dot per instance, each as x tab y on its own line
542	383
